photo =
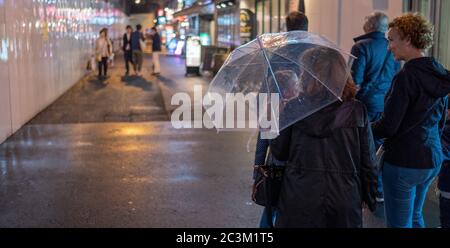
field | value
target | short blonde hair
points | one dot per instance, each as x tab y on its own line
415	27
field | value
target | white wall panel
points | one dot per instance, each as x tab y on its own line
342	20
48	45
5	107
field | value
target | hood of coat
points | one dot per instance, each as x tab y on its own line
320	124
433	77
337	115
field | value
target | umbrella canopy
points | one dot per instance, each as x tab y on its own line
305	71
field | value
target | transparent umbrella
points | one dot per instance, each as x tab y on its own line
280	79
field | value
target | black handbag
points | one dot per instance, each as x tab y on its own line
267	184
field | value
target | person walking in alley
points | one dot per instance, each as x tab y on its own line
103	50
128	55
137	38
330	171
156	50
373	70
412	122
295	21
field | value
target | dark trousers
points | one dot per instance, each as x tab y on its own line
444	206
103	66
128	59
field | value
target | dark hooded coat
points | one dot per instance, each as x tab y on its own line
330	170
418	99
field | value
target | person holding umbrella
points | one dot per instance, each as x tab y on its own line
330	171
324	132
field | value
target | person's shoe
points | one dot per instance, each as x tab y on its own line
379	197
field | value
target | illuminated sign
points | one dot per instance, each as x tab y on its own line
162	20
193	51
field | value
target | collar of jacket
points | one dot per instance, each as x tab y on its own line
372	35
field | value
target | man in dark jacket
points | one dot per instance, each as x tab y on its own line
127	49
373	71
137	37
156	50
295	21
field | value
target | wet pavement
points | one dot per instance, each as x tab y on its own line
119	98
74	167
125	175
139	174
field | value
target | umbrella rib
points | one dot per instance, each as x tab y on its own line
237	77
274	78
305	68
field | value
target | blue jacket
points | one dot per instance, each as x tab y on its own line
444	176
135	44
416	88
370	71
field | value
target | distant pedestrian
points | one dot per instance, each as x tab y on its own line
412	122
137	37
128	54
373	71
156	50
103	50
444	178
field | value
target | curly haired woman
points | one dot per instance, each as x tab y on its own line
412	122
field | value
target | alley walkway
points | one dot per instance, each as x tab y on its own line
106	155
89	161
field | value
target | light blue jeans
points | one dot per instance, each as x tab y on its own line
264	223
405	191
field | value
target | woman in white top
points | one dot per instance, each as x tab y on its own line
103	50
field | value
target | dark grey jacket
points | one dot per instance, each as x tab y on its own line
330	170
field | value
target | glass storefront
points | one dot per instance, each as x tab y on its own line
443	50
271	14
228	26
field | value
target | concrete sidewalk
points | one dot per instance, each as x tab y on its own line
117	99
